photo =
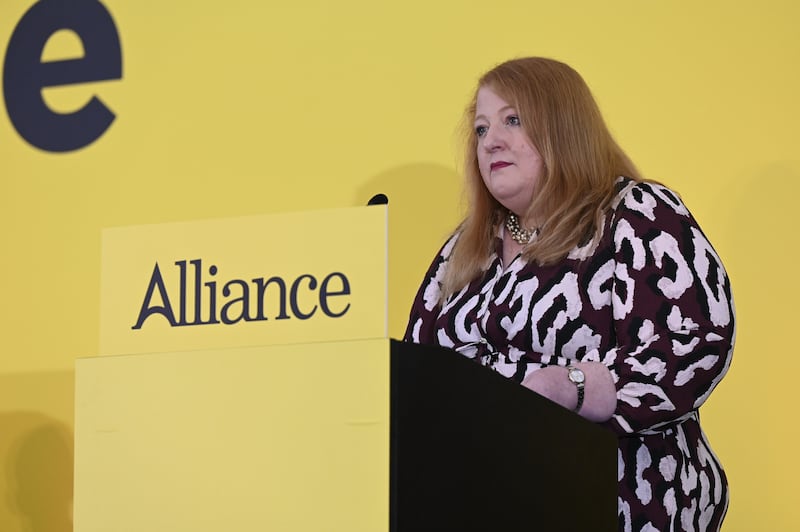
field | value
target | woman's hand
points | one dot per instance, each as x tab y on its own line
600	394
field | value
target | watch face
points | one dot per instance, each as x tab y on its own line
576	375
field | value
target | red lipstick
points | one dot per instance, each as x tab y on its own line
499	164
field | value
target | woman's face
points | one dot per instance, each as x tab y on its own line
510	164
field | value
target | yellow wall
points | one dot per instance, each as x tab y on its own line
242	108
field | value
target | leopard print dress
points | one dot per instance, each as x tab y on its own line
650	299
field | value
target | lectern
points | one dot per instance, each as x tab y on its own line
321	431
473	451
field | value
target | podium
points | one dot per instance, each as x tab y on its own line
335	433
360	436
473	451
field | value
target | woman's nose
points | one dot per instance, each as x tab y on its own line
494	139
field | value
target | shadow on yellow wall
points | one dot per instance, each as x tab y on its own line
424	199
36	453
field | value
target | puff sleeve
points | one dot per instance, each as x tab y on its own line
673	312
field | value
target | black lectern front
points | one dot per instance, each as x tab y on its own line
473	451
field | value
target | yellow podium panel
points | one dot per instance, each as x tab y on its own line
279	438
314	276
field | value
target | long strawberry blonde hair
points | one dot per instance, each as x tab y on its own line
581	164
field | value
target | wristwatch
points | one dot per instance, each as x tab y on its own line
577	377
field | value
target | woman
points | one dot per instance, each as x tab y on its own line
589	285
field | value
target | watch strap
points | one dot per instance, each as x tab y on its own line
578	378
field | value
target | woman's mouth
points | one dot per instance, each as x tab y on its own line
498	165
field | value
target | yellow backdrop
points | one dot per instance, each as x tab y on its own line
243	108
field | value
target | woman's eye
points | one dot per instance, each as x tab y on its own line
513	120
481	130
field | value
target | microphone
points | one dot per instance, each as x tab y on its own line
378	199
